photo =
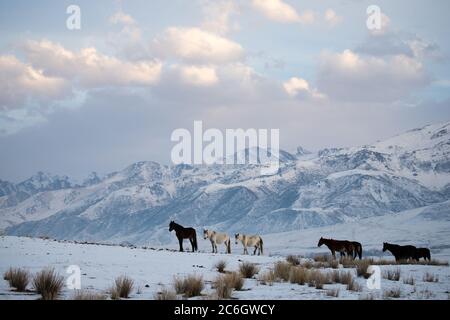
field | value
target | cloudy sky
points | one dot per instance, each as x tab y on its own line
111	93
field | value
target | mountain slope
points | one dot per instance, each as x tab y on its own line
411	170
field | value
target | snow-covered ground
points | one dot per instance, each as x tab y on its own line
151	269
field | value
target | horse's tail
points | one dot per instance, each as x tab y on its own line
229	245
261	245
195	241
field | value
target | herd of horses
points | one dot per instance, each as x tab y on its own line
351	249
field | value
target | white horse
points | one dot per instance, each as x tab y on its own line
250	241
217	238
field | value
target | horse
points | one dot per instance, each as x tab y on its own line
250	241
217	238
423	253
358	250
341	246
184	233
401	252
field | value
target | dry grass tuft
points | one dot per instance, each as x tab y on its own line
393	275
122	287
282	270
267	278
235	280
17	278
88	295
165	294
294	260
299	275
190	286
248	269
220	266
362	266
410	280
429	277
392	293
48	284
353	286
318	279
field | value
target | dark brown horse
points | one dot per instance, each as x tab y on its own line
341	246
358	250
184	233
423	253
401	252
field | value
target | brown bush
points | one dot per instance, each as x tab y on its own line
190	286
48	284
282	270
88	295
299	275
220	266
165	294
235	280
429	277
267	278
122	287
17	278
410	280
223	287
294	260
393	274
248	270
392	293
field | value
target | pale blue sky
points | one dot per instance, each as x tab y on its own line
71	120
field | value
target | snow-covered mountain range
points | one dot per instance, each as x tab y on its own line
408	171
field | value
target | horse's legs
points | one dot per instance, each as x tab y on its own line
212	246
333	254
245	250
192	244
215	247
254	251
180	240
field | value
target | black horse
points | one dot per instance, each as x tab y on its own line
184	233
423	253
358	249
401	252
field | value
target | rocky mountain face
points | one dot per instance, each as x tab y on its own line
411	170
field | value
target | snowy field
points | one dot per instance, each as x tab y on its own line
152	269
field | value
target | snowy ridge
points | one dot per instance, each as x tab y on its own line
311	190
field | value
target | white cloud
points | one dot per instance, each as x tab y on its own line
218	17
332	18
298	87
90	68
279	11
349	76
197	45
122	18
20	83
199	75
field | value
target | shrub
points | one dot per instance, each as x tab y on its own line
282	270
353	286
122	287
223	287
410	280
294	260
267	278
88	295
361	268
48	284
429	277
220	266
165	294
317	279
235	280
190	286
322	258
248	270
393	275
392	293
17	278
299	275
